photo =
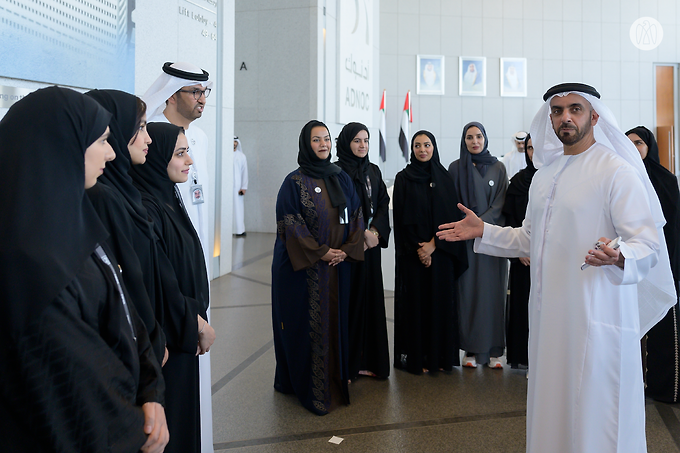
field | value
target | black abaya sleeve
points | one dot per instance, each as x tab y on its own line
73	380
381	206
180	322
117	221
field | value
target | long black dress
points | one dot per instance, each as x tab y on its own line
425	306
120	209
182	247
519	283
662	369
368	344
76	362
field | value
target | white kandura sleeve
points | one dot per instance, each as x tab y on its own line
633	221
244	173
507	242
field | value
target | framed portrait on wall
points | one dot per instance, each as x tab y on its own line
472	76
513	77
430	77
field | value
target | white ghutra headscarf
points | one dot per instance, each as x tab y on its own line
174	77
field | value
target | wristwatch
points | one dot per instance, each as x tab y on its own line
375	232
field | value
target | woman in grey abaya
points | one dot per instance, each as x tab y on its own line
481	181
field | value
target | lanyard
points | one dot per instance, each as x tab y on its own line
105	259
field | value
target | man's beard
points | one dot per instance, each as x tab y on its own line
572	139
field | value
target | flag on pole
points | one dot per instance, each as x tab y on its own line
383	144
404	133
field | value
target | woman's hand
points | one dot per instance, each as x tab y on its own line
334	257
165	356
155	427
425	252
206	336
370	239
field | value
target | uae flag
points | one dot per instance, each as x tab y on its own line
383	145
406	118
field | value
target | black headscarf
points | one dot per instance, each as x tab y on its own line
152	177
182	245
311	165
355	167
666	186
442	184
123	107
519	184
437	207
466	187
48	226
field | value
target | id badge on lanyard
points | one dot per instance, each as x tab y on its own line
196	190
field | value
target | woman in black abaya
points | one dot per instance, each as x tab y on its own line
168	163
662	349
425	305
120	209
368	347
78	372
519	283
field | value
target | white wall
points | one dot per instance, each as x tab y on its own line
576	41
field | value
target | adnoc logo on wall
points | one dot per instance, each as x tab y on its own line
355	62
646	33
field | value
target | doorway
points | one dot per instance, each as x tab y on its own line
666	83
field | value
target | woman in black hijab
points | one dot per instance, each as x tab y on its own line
168	163
368	348
481	181
425	303
120	208
319	226
78	372
662	349
517	310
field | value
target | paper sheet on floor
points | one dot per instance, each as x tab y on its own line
336	440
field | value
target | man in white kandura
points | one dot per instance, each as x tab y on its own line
514	160
585	389
178	96
240	187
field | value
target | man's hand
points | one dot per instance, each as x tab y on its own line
155	427
525	260
242	192
605	256
469	228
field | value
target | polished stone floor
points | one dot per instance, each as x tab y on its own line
469	410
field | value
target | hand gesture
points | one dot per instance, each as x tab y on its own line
469	228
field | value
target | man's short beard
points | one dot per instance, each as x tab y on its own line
574	139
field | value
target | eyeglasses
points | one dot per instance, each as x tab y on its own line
197	93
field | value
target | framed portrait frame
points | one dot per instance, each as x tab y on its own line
430	75
513	77
472	76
